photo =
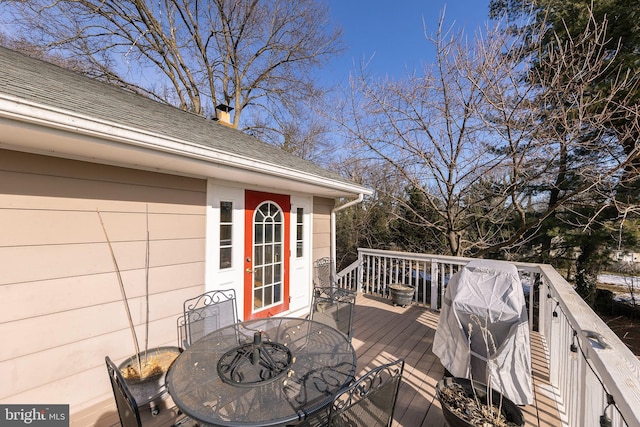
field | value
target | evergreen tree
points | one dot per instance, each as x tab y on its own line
408	229
587	223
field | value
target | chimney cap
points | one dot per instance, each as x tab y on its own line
224	107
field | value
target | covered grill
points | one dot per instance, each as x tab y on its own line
483	330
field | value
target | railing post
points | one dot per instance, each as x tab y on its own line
434	285
360	271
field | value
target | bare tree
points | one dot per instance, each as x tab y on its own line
195	54
366	224
476	134
21	45
427	128
631	282
303	132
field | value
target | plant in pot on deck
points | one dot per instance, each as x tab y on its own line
145	371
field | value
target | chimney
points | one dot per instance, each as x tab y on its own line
223	114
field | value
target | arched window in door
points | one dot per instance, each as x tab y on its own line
268	255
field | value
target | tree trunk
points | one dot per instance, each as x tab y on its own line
587	269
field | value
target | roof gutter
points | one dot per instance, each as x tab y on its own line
333	225
77	124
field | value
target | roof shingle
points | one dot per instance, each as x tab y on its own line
49	85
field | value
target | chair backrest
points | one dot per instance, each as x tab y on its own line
208	312
323	270
182	332
334	307
125	402
370	401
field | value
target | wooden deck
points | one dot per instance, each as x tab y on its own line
384	333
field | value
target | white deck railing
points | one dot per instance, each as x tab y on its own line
589	367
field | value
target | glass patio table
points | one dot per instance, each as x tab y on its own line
264	372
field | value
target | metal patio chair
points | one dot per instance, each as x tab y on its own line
323	272
366	402
125	402
181	329
334	307
128	410
371	400
207	313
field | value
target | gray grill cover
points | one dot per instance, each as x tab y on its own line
487	295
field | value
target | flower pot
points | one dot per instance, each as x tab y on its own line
456	396
401	295
322	306
149	387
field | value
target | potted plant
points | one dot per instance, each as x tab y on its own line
145	374
401	294
469	403
145	371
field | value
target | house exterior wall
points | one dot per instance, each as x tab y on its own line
60	303
301	260
322	227
232	276
626	257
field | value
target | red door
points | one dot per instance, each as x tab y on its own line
266	254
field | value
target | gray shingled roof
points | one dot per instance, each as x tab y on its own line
46	84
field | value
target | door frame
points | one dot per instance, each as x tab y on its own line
253	199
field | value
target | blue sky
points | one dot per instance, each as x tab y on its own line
392	31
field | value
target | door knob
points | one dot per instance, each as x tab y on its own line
249	270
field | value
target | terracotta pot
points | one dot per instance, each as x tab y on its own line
511	411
